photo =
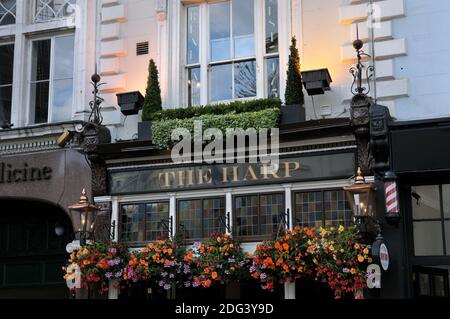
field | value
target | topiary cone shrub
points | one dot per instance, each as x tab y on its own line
152	101
294	93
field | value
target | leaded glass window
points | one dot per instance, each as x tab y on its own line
322	208
144	222
199	218
258	215
54	9
7	12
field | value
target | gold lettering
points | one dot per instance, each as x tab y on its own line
190	178
225	175
204	177
251	172
287	169
180	178
235	174
167	178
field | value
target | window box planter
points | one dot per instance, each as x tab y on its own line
145	131
130	102
291	114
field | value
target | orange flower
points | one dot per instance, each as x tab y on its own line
207	270
285	246
207	283
214	275
366	251
285	268
277	246
279	261
360	258
357	246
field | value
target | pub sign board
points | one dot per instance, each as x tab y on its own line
178	178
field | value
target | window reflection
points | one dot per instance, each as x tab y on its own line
243	28
220	31
271	12
245	79
273	77
221	82
6	79
193	31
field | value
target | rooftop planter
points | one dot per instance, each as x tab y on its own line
162	130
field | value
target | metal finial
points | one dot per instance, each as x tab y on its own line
359	177
83	198
96	116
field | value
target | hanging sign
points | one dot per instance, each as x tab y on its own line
380	253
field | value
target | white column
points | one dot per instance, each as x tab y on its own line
284	31
288	205
115	217
204	54
229	209
173	213
113	293
260	47
289	290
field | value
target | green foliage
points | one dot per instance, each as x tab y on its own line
294	93
268	118
217	109
152	102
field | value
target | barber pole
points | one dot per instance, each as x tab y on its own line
390	189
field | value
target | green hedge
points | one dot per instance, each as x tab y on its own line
217	109
162	130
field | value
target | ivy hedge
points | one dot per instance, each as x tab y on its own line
236	107
266	118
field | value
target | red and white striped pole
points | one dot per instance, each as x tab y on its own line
391	197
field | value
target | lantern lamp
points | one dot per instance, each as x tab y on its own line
361	196
87	216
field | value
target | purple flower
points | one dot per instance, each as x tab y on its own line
252	269
110	263
171	276
164	274
113	250
119	274
197	244
162	283
187	269
195	284
167	286
241	263
345	270
263	276
187	284
219	266
109	275
231	260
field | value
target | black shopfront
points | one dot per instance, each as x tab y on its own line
420	156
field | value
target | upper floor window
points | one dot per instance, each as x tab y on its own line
46	10
222	57
7	12
6	81
51	83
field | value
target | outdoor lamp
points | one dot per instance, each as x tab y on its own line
87	214
361	197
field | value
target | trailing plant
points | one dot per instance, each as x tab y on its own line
152	101
160	263
99	263
219	259
217	109
294	93
162	130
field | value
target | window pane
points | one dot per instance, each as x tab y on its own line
273	77
271	26
7	12
156	215
39	101
6	64
243	28
245	79
190	219
213	211
64	51
221	82
446	200
62	100
426	205
447	236
53	9
309	209
270	208
5	104
219	28
194	86
247	221
41	60
428	239
132	223
193	36
337	211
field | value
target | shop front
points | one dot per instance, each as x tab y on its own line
421	160
35	226
152	198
